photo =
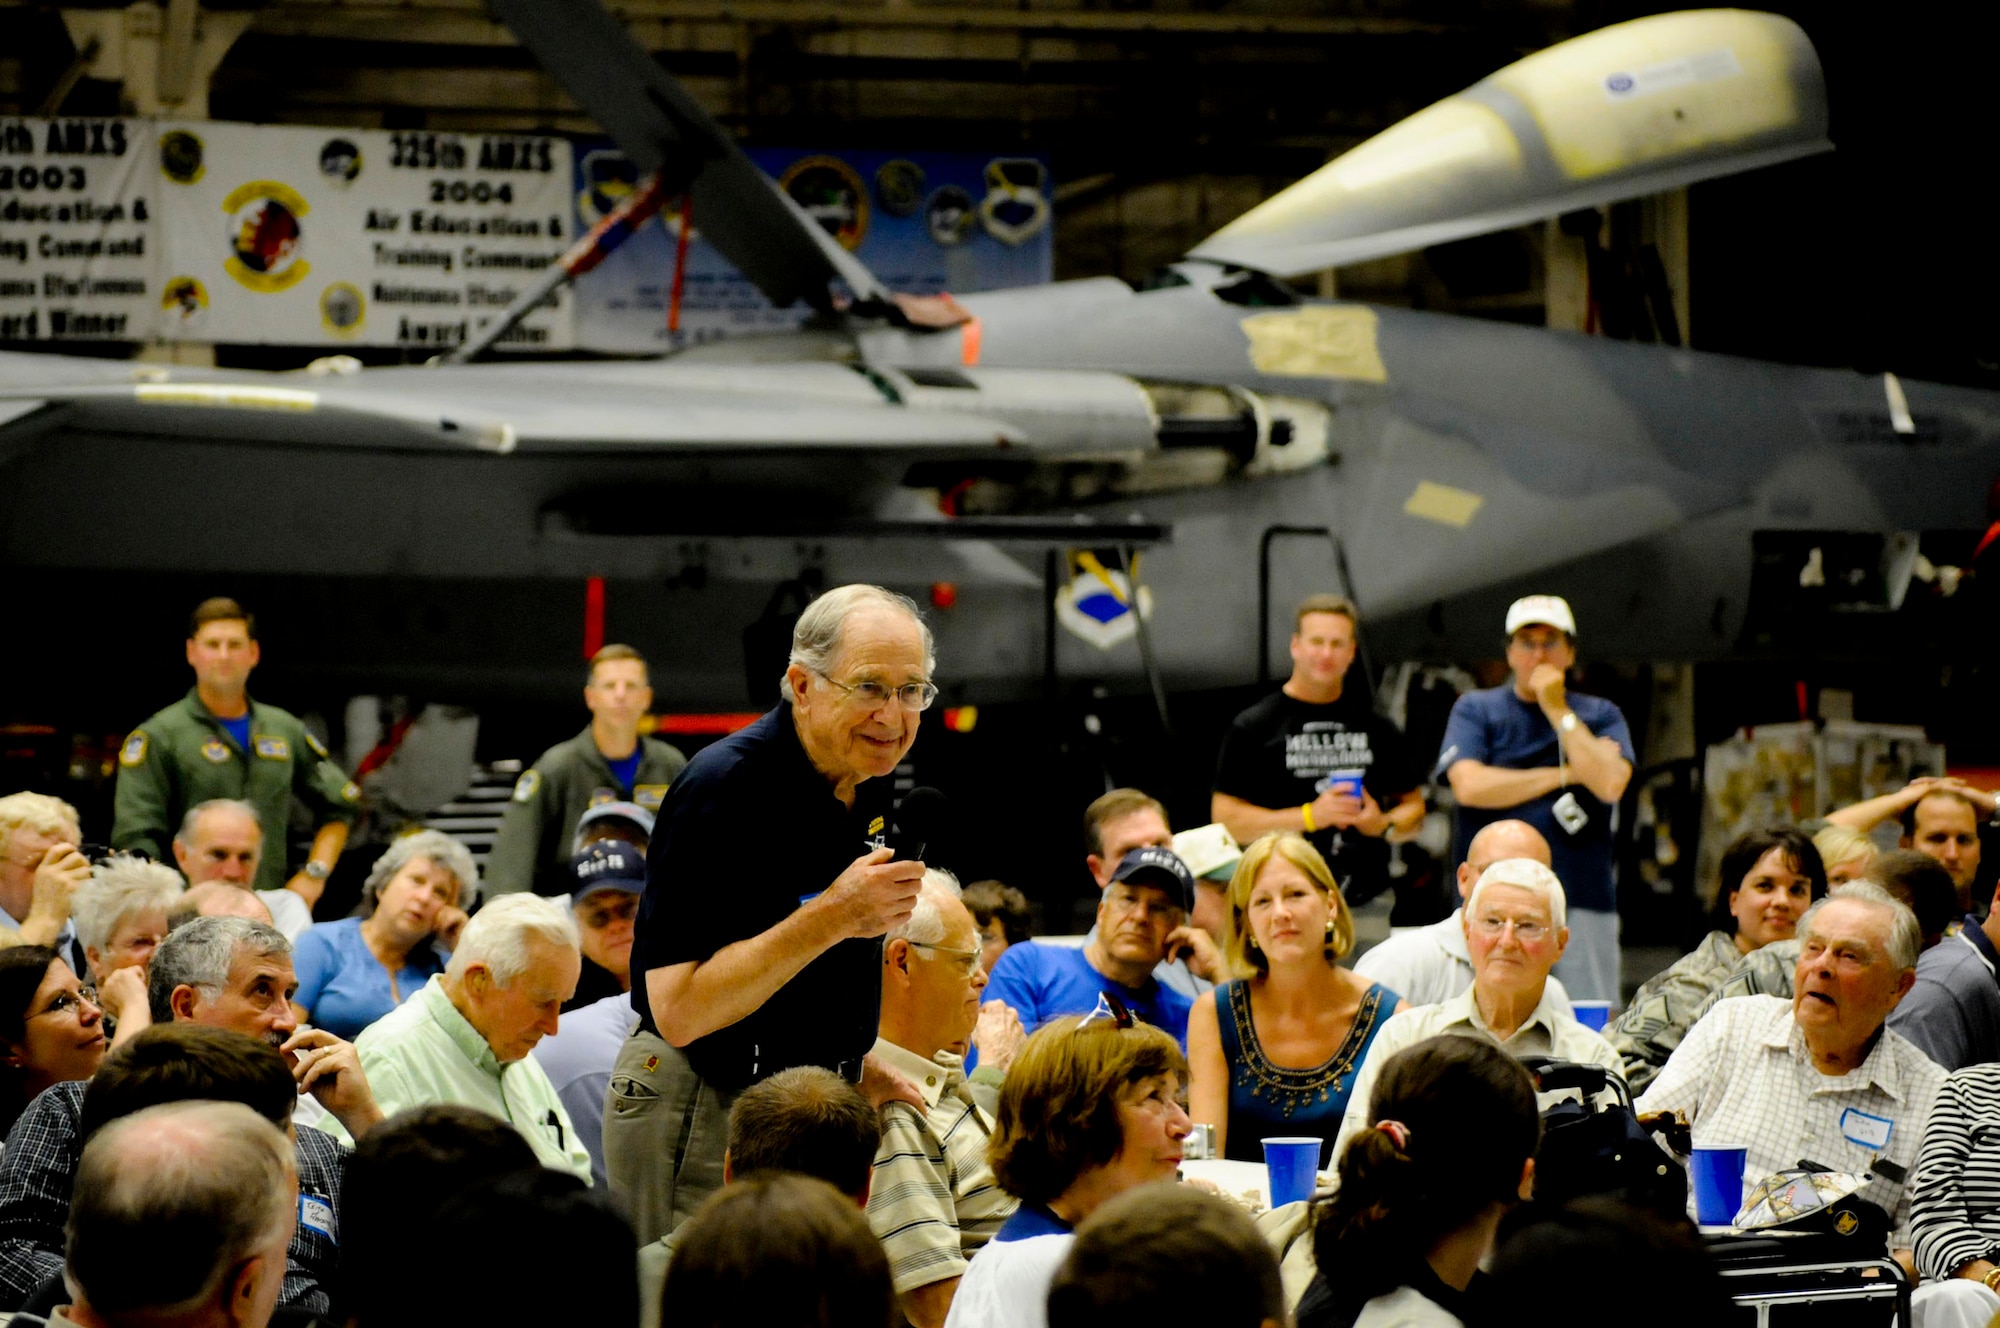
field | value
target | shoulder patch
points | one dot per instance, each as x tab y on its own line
215	751
526	786
134	750
318	747
271	747
350	792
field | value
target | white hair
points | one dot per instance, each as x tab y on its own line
816	639
926	921
436	845
499	935
37	812
1906	938
120	886
185	835
1524	874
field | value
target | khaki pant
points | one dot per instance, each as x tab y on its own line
665	1129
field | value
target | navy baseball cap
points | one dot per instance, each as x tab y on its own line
609	864
1161	868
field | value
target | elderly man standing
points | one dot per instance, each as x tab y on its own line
1533	751
225	973
222	840
769	889
466	1036
213	1187
1818	1076
1515	932
934	1202
1425	965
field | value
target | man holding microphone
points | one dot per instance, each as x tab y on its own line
770	884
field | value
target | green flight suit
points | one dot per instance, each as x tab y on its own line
183	757
568	779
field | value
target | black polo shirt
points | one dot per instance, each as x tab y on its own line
748	832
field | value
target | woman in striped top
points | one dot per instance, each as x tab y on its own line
1955	1201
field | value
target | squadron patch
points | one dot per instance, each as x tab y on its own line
271	747
318	747
600	796
527	784
134	750
649	795
215	750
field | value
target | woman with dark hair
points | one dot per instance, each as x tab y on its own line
1450	1150
1003	916
1769	878
1090	1108
50	1032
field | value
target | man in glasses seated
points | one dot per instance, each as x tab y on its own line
1146	900
1515	932
934	1202
769	886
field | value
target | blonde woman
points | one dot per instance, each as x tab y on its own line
1275	1052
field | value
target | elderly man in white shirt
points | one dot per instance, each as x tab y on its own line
1425	965
1514	932
1818	1076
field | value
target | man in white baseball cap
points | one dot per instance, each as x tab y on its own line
1531	750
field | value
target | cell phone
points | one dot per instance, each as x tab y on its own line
1569	815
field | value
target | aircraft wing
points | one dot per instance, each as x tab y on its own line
762	232
1632	109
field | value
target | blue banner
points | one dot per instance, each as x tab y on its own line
924	222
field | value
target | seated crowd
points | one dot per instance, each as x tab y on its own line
219	1110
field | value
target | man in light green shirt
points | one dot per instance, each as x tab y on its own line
466	1036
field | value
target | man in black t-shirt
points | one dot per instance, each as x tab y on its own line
769	887
1315	758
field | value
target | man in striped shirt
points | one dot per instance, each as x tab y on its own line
934	1200
1818	1076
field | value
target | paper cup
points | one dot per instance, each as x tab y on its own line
1718	1184
1592	1014
1294	1167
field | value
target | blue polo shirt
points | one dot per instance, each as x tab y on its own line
1496	727
1043	982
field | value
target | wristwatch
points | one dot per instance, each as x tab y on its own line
317	871
1569	722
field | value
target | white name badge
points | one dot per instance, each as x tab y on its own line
1871	1132
316	1215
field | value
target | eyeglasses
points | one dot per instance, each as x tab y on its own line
875	695
1528	933
63	1004
1108	1009
967	959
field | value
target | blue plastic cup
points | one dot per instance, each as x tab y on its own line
1294	1167
1718	1184
1343	781
1592	1014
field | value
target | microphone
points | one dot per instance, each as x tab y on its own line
921	818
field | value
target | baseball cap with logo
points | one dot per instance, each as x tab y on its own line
1209	851
609	864
1548	610
1160	868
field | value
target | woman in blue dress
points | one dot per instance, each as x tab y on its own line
1275	1052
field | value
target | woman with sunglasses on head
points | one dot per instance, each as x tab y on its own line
50	1031
1449	1148
1091	1108
1275	1052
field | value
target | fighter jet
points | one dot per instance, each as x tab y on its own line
1090	480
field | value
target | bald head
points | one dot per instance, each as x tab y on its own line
1497	843
218	899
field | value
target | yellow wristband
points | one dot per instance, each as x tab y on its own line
1306	810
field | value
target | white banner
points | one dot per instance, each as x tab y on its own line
78	235
302	236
